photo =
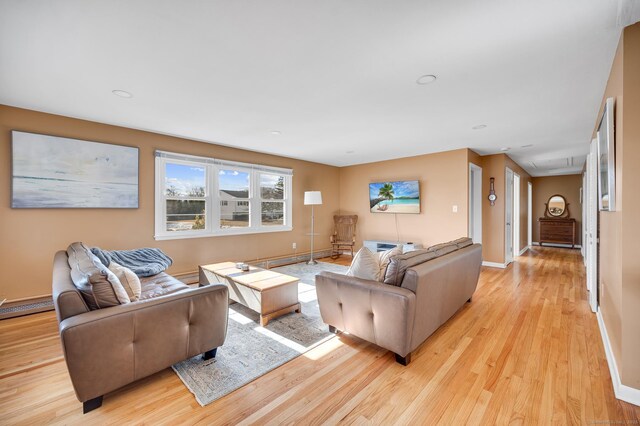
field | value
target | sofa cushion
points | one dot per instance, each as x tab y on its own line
128	279
372	266
400	263
384	259
463	242
160	285
440	246
365	265
99	287
445	249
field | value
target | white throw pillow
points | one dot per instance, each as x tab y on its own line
365	265
129	280
369	266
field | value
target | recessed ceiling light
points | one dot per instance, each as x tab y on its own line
479	126
426	79
506	148
276	132
527	146
122	93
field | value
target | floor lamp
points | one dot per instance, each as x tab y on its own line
312	198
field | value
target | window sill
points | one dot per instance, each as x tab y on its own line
178	235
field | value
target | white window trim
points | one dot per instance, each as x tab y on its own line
212	199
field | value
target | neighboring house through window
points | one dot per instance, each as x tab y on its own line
200	197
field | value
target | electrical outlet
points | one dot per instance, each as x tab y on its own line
455	209
294	246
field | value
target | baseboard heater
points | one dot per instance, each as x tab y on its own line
26	307
288	260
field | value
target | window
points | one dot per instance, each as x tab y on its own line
272	199
200	197
185	189
234	189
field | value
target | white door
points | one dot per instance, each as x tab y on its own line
516	215
585	210
508	230
591	241
475	203
530	215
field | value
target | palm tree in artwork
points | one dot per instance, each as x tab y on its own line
386	191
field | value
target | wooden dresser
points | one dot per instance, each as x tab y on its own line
557	230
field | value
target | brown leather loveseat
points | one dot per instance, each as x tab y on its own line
422	290
110	347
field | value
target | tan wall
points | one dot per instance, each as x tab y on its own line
493	166
631	217
610	223
569	187
619	269
30	237
443	183
493	217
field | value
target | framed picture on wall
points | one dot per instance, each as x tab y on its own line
56	172
606	159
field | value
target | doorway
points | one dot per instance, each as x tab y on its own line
516	215
508	230
475	203
590	204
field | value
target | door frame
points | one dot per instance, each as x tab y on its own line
529	214
508	216
516	215
475	203
591	205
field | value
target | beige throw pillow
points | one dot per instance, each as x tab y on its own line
399	265
100	288
128	279
384	258
364	265
369	266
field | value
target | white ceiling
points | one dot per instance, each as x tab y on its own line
332	76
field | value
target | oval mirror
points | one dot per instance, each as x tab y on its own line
557	205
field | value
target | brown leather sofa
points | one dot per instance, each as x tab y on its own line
400	318
108	348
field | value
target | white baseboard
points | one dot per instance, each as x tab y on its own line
577	246
622	392
494	264
523	251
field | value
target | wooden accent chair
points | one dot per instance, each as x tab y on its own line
344	235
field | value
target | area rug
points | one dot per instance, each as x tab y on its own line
250	350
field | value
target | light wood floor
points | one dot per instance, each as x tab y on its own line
526	350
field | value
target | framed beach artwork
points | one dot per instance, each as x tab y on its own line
395	197
55	172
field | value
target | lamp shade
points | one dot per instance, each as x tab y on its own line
312	197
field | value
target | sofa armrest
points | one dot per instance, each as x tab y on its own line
108	348
442	286
377	312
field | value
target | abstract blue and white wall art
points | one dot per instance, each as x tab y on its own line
55	172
